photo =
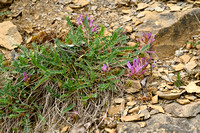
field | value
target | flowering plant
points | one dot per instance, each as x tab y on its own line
81	22
139	66
75	115
105	67
27	78
146	39
69	72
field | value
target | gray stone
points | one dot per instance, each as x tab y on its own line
140	15
179	52
162	123
171	29
146	114
189	110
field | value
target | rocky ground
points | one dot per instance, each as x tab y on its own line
173	105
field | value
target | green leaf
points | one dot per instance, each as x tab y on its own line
124	62
38	107
127	48
145	48
64	95
101	33
41	81
42	67
103	86
33	59
82	86
15	72
42	118
52	72
120	73
27	124
25	51
198	43
70	107
4	13
4	101
1	111
108	78
113	38
35	47
86	24
1	58
178	76
14	115
94	95
19	110
70	23
85	98
178	81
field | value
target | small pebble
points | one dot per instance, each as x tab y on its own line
198	47
171	75
173	62
188	46
129	98
179	52
185	51
190	51
154	83
194	53
93	8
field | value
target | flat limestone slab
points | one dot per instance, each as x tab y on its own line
162	123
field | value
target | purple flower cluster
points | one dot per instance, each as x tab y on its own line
26	77
139	66
147	38
105	67
90	21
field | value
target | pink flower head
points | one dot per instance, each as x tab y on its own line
26	77
90	21
75	114
139	66
153	64
94	29
149	35
147	38
153	39
89	18
142	39
139	40
80	20
105	67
